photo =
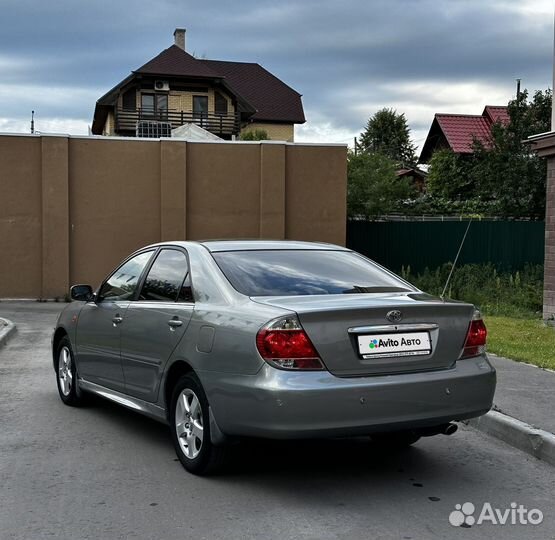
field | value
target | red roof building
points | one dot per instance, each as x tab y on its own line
457	131
497	113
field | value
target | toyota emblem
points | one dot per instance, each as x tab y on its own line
394	315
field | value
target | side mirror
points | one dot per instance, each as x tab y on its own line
82	293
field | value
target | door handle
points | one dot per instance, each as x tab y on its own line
174	323
116	320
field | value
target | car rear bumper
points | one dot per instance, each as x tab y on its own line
284	404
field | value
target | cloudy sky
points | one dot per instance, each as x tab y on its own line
348	58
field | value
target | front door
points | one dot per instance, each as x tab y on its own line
155	323
99	325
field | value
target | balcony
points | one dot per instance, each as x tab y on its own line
223	125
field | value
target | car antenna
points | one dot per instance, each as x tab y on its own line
442	296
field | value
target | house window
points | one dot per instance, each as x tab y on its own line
154	106
147	105
162	106
200	109
161	102
129	100
220	104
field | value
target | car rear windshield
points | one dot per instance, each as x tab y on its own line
304	272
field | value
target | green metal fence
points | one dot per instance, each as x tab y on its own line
510	245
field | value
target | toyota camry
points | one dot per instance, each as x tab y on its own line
224	340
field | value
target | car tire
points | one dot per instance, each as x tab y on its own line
395	440
190	427
66	374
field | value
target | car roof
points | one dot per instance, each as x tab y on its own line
257	245
254	245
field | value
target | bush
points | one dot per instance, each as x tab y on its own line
440	206
513	294
256	135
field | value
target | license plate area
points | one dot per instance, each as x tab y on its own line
394	344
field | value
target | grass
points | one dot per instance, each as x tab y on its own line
510	294
511	303
526	340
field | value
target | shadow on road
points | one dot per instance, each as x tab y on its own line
348	459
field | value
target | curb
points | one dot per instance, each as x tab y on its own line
533	441
7	328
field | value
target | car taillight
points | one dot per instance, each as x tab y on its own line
283	343
476	336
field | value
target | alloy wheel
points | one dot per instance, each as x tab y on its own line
188	423
65	375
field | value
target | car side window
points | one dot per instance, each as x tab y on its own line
122	283
168	278
186	291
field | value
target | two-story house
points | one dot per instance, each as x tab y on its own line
175	88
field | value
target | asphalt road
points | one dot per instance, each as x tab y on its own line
105	472
529	393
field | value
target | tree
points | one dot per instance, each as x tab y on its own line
388	133
450	176
503	175
256	135
505	169
373	189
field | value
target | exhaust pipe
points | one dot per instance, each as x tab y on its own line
450	428
445	429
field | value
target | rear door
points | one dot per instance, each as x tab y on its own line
99	325
155	323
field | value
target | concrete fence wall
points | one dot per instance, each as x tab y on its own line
72	207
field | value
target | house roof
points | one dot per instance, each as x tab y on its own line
177	62
411	172
274	100
497	113
458	131
262	96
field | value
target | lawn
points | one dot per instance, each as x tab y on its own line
526	340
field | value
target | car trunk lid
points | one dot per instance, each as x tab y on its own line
354	337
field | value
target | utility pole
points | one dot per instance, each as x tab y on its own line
32	121
356	146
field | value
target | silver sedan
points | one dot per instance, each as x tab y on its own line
275	339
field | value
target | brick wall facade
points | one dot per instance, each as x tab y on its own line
276	132
183	101
544	145
549	270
